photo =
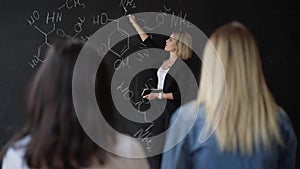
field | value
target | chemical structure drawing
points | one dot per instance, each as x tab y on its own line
70	4
119	33
145	136
112	39
160	19
115	34
42	48
176	21
125	4
53	17
46	43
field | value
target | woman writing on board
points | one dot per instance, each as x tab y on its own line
178	45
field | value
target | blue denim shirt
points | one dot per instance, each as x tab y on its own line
189	153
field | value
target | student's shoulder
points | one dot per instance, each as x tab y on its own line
15	154
190	111
285	123
128	146
20	145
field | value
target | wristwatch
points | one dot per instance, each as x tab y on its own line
159	95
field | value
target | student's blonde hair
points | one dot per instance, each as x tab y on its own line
240	103
183	41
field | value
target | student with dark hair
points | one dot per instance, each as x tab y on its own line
53	137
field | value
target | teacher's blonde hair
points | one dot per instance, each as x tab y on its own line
183	41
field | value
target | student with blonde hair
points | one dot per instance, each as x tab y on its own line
238	123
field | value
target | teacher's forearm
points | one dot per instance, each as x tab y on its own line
143	35
168	96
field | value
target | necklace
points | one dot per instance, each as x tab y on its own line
167	64
171	61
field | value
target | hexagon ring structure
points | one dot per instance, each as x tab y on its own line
114	38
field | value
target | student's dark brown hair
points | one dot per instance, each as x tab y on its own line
57	139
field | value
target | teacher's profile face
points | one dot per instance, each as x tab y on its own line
171	44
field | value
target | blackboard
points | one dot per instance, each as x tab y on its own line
28	28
